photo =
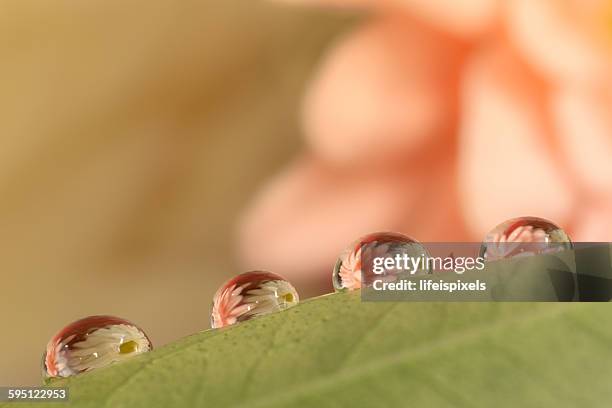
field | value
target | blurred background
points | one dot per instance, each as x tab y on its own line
131	138
151	150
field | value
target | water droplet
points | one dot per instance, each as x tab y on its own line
249	295
354	260
524	236
91	343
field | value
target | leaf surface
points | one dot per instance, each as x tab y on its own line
338	351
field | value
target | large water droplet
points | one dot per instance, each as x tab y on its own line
524	236
91	343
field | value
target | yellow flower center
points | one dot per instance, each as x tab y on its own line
128	347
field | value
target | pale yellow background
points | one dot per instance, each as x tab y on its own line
131	136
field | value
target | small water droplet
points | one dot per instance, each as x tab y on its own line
356	260
249	295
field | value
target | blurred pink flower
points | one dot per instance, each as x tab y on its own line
441	119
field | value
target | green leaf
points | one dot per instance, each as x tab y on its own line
339	351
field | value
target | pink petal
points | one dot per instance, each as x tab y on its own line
595	222
508	166
559	39
383	91
584	120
